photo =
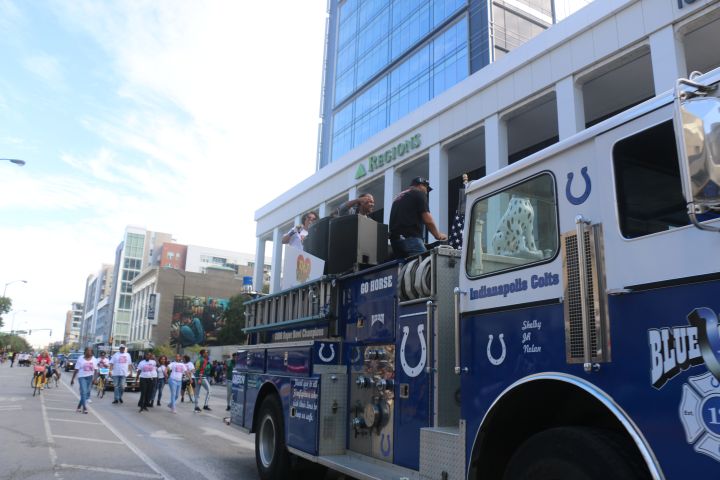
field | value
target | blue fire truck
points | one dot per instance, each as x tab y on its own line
575	336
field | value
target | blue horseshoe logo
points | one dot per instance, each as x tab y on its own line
588	187
385	450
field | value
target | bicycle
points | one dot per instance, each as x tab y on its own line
100	384
38	381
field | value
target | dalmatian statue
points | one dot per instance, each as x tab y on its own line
514	236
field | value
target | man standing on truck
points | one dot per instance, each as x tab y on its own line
362	205
409	213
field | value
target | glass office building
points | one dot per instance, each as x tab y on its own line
385	58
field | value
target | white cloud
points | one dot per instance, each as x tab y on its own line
47	68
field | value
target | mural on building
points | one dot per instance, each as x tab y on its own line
196	320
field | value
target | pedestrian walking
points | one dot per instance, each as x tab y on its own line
147	368
153	376
85	368
162	374
230	368
12	359
120	366
177	374
190	369
203	371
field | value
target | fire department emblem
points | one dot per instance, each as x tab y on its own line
700	414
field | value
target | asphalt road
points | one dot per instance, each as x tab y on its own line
44	438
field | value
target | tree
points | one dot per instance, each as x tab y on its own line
14	343
67	348
234	321
164	349
5	307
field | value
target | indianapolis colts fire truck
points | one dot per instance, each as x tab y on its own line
575	336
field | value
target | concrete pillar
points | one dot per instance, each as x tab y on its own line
391	188
668	59
438	178
570	108
496	144
322	210
276	260
258	270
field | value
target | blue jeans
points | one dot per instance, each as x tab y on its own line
118	386
407	247
202	382
84	383
174	391
159	385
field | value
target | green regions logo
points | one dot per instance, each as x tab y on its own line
379	160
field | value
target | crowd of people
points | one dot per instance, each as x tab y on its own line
153	375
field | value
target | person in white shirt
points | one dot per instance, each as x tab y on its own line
85	371
177	373
147	370
120	366
190	370
297	234
162	374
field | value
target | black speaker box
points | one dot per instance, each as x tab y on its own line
355	240
316	241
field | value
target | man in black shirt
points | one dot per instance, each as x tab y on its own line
408	215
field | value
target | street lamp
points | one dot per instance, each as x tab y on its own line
14	281
14	160
12	324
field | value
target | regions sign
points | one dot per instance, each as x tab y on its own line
380	159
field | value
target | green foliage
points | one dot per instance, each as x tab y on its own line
234	321
67	348
5	307
164	349
14	343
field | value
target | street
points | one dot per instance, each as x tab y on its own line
43	437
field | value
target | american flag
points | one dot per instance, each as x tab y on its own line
456	231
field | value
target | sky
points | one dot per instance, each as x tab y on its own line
174	115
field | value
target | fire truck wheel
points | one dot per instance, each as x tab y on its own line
271	455
574	453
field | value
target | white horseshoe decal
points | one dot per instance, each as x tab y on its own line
323	357
413	371
501	359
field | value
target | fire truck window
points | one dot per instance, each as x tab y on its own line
647	182
513	228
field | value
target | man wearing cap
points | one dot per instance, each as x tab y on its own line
408	215
120	366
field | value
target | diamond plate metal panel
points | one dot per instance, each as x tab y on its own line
333	409
442	451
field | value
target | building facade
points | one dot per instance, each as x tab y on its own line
95	324
139	249
73	319
599	61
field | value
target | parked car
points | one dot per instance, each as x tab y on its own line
131	383
70	361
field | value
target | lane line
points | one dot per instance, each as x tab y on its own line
74	421
110	470
49	438
61	409
88	439
122	438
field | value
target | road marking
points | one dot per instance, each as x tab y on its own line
49	437
229	437
110	470
88	439
165	435
130	445
10	407
11	399
74	421
61	409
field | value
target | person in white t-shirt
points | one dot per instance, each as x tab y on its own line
120	367
85	368
147	370
190	370
162	374
297	234
177	371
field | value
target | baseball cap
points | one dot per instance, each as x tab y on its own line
122	345
421	181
